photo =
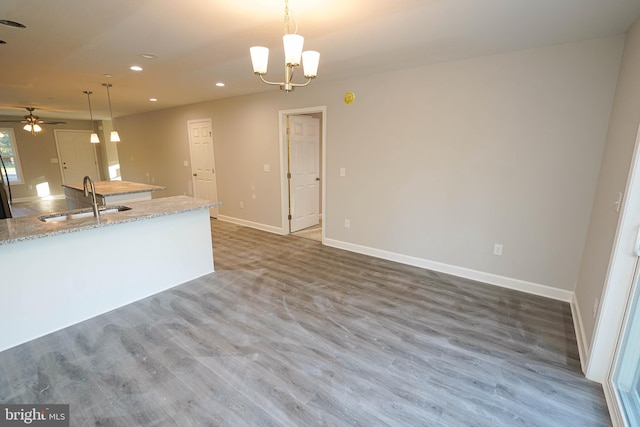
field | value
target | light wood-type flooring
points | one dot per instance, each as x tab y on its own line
288	332
38	207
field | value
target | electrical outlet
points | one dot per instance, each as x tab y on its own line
497	249
595	307
347	223
343	172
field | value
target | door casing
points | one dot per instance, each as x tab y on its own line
616	294
284	183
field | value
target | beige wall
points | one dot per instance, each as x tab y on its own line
604	222
36	154
442	161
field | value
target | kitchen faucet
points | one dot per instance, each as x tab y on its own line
87	179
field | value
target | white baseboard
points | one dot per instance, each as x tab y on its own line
581	336
480	276
256	225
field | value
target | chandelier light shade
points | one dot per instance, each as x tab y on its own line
115	137
310	61
292	49
259	59
293	57
94	136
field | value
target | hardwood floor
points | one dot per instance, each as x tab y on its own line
38	207
288	332
314	233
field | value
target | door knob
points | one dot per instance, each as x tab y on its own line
195	174
317	179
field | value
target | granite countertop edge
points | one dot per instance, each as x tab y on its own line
108	188
20	229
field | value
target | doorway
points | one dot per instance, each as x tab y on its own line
304	167
76	156
203	171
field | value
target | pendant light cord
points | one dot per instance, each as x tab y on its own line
90	112
109	99
287	19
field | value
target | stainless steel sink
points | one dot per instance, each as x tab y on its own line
80	213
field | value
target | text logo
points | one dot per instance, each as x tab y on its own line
34	415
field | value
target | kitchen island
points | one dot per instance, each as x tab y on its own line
108	193
56	274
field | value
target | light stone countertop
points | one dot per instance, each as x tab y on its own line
116	188
13	230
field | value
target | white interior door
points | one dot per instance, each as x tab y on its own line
304	167
76	156
203	162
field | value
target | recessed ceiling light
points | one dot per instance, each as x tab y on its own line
153	99
220	84
135	68
108	75
11	23
148	56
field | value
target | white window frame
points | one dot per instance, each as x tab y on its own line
16	157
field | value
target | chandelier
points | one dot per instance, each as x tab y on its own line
293	56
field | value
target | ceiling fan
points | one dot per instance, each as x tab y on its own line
32	123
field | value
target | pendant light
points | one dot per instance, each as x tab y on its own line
293	54
94	136
114	134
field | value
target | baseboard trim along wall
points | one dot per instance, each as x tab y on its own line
505	282
480	276
256	225
581	336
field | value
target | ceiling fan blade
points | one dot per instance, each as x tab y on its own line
11	121
50	122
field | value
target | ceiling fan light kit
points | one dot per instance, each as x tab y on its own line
32	127
32	123
294	55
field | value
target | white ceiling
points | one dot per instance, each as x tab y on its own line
69	45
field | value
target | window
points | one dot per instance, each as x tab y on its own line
9	155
